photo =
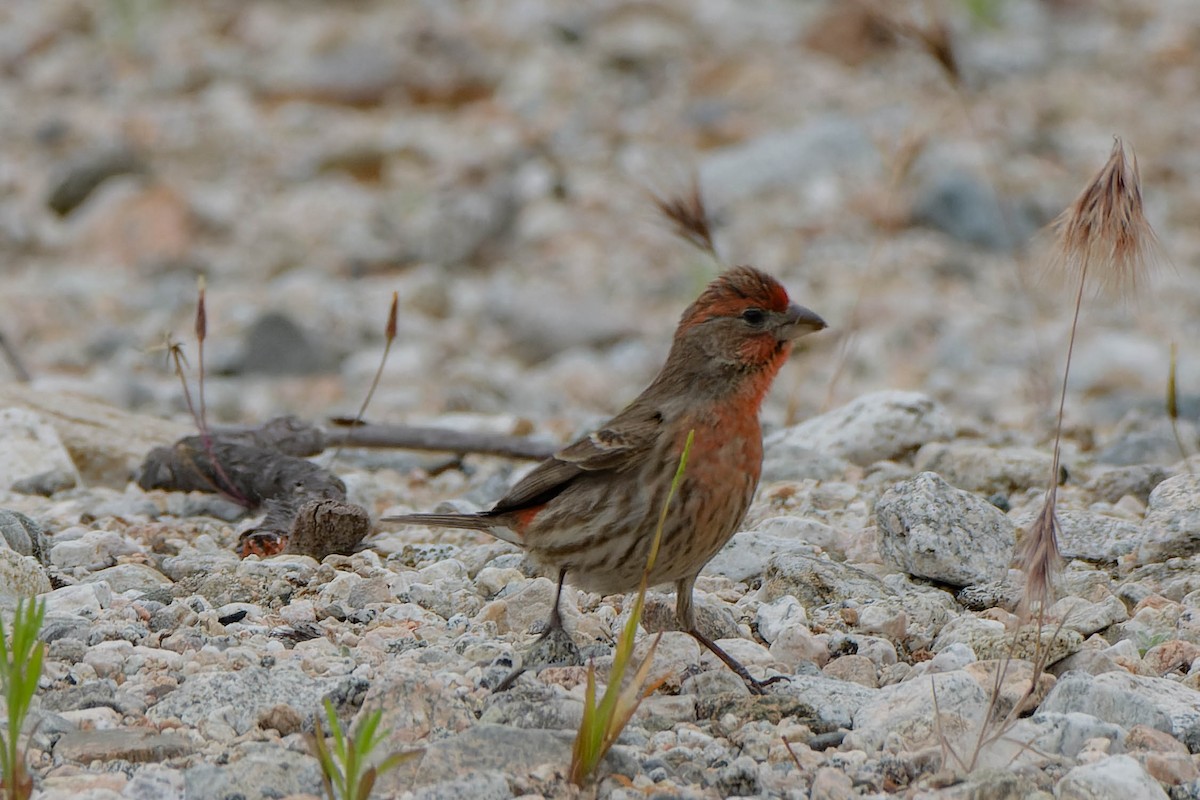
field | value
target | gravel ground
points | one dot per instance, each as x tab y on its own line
494	164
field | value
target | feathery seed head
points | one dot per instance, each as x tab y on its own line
1105	228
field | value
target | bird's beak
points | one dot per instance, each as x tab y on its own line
798	321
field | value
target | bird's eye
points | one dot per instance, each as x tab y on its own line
754	316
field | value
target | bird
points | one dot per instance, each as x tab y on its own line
590	511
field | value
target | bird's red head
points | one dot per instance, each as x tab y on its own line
744	319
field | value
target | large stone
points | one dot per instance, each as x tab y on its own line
483	748
1172	523
105	444
31	446
23	535
983	469
238	699
20	577
745	556
873	427
818	581
932	530
1118	777
1092	537
904	714
266	772
1129	700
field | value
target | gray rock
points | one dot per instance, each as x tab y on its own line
983	469
192	565
1172	522
494	748
791	460
1092	537
83	600
772	618
1137	480
276	345
745	556
818	581
966	208
533	706
48	483
833	702
1147	441
80	176
105	444
267	772
990	639
93	694
31	446
93	550
1087	617
1066	734
488	785
902	713
873	427
238	699
155	783
1118	777
23	535
831	145
932	530
1128	700
123	577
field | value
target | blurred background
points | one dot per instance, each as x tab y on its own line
495	163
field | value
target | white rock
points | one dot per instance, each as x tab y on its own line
796	644
903	712
93	550
1172	523
20	577
31	446
124	577
83	599
783	612
979	468
1118	777
932	530
871	428
956	656
1087	618
1129	700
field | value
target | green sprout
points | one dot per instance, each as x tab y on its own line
603	722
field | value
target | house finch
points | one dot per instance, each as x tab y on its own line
590	511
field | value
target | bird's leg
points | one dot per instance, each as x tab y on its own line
685	613
554	638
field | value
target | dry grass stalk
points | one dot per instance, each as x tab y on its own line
1173	407
1103	232
689	218
389	336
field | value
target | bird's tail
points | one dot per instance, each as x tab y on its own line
476	522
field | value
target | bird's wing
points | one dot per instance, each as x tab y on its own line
620	444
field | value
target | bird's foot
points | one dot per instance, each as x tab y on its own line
755	686
554	647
